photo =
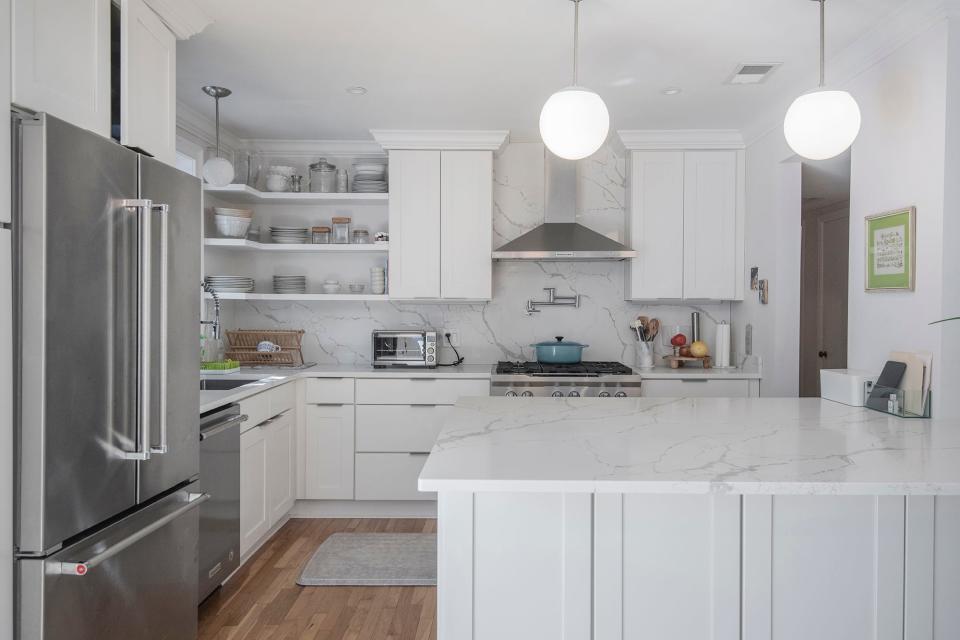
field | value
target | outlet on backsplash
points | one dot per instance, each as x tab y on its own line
454	338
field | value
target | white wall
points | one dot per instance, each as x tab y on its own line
773	244
898	161
340	331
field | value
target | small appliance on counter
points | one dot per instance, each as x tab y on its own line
846	386
405	348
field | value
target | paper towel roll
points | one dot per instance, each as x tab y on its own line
722	346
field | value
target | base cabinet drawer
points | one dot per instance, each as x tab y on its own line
328	390
695	388
390	476
399	428
418	390
257	410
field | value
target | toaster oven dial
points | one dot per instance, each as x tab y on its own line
511	394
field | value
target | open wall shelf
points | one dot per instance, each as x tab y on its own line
241	244
243	194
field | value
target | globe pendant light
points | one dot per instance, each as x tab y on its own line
217	171
574	121
824	123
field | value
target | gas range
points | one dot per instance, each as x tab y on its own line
584	379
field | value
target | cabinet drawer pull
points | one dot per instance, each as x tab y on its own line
422	379
418	453
694	380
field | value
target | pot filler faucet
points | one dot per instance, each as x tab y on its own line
553	300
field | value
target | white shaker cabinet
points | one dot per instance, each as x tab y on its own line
148	86
441	224
254	516
61	60
466	224
686	221
281	477
415	224
328	452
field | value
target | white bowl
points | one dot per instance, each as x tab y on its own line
231	226
236	213
282	170
331	288
277	182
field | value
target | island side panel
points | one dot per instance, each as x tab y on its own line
454	565
947	574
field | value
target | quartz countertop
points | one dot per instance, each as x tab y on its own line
690	445
262	379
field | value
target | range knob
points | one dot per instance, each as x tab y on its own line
511	394
574	394
527	394
557	394
604	394
620	394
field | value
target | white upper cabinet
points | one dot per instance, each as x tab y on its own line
148	94
655	224
686	221
61	60
466	224
712	228
415	224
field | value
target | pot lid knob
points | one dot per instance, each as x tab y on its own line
559	338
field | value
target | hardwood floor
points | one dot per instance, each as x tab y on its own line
263	601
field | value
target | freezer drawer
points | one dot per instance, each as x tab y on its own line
136	579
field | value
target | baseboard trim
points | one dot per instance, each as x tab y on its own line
364	509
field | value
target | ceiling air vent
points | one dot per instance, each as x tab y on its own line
752	72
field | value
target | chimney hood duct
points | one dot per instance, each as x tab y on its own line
560	237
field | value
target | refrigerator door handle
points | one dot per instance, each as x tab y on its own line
144	209
164	212
82	568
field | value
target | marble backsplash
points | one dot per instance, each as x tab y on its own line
339	332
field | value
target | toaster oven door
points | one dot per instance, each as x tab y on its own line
396	348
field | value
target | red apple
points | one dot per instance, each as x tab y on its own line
678	340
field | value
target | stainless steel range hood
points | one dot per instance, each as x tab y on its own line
560	237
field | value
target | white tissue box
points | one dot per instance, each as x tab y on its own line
848	386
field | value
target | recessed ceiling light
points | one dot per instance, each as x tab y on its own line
671	91
357	91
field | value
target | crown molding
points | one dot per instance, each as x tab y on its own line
194	126
313	148
436	139
660	139
184	18
901	27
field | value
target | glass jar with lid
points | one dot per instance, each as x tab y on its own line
320	235
323	177
361	236
341	230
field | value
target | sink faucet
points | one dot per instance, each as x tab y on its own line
553	300
216	310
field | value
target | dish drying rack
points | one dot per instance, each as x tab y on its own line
243	347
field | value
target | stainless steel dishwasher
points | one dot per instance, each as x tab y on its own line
220	515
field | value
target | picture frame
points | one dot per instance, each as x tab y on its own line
891	248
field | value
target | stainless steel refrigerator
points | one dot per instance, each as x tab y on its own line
107	271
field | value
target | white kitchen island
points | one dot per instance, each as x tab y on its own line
724	519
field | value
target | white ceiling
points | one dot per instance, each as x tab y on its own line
490	64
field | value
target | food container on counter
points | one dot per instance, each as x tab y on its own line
559	352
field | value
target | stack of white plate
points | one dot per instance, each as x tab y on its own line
369	177
289	284
288	235
230	284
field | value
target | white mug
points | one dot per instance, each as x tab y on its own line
266	347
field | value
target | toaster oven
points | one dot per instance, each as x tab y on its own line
405	348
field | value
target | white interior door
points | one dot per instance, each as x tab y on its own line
415	224
710	224
655	226
148	89
466	224
61	60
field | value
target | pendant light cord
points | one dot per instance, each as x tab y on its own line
576	40
822	39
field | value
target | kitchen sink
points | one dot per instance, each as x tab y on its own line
216	384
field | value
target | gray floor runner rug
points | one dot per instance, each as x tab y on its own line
373	559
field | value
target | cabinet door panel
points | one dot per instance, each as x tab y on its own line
390	476
148	92
328	452
254	519
710	225
280	465
415	224
61	60
656	225
466	224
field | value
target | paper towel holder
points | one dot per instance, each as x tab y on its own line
764	293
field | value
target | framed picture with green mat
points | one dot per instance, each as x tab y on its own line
891	250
